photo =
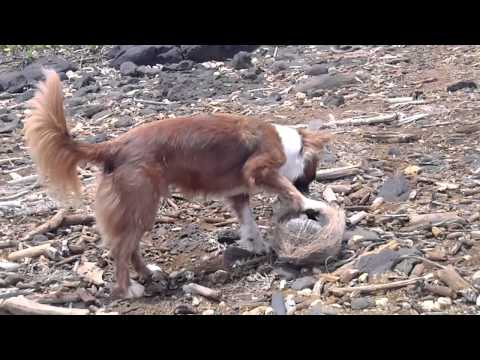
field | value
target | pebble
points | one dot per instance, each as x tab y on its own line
128	68
316	69
361	303
363	278
209	312
305	292
304	282
219	277
278	304
382	302
476	280
242	60
430	306
123	121
444	302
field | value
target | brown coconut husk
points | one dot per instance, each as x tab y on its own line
309	241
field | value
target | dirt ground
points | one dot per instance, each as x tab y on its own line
440	161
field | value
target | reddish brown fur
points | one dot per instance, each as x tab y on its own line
206	154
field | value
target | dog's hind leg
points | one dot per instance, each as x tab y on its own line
126	205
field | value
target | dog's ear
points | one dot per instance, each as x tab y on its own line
316	140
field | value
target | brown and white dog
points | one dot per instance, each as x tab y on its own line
220	155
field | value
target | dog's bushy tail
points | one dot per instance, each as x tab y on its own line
54	151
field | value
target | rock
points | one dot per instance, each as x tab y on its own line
123	121
382	302
91	110
317	308
203	53
147	55
9	266
430	306
228	237
208	312
242	60
278	304
348	275
462	85
183	65
406	266
316	69
149	71
39	238
362	303
275	96
13	82
394	189
250	74
393	151
184	309
33	72
278	66
334	100
383	261
476	280
260	310
9	123
25	96
74	101
325	82
444	302
412	170
128	68
87	90
305	292
220	277
365	234
363	278
83	81
286	272
290	305
303	282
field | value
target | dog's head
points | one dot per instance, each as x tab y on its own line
313	143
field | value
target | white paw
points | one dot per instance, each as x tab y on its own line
135	290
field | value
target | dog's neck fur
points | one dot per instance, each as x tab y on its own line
292	147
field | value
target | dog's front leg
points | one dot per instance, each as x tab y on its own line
250	237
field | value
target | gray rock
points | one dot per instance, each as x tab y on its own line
87	90
74	101
242	60
183	65
228	237
123	121
383	261
406	266
367	235
8	118
325	82
395	188
202	53
393	151
83	81
334	100
128	68
321	309
316	69
362	303
91	110
278	304
286	272
278	66
39	238
219	277
146	54
469	84
303	283
13	82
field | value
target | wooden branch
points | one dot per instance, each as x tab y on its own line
360	121
329	195
412	118
8	244
376	287
356	218
434	219
31	252
196	289
390	137
453	280
23	180
337	173
52	224
341	189
20	305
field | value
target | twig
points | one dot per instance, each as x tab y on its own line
360	121
8	244
337	173
426	261
376	287
22	306
196	289
412	118
50	225
31	252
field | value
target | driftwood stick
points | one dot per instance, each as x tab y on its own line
23	180
412	118
20	305
196	289
360	121
376	287
337	173
31	252
356	218
52	224
8	244
451	277
329	195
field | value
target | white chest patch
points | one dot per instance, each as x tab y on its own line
292	144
